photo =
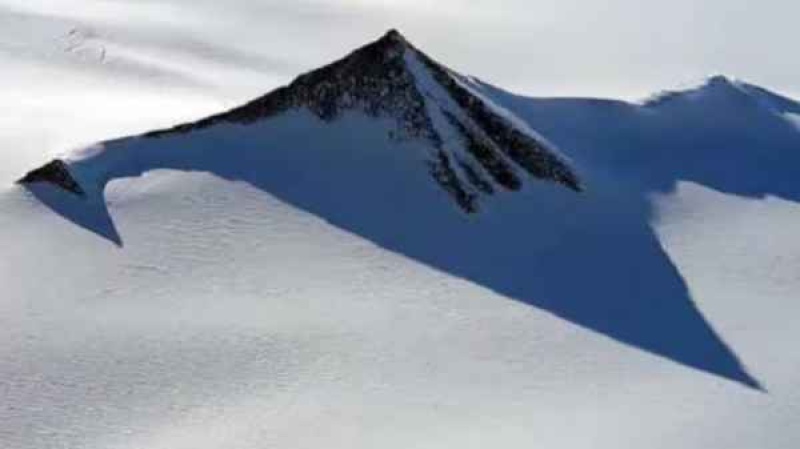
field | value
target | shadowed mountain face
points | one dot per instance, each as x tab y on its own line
394	147
726	135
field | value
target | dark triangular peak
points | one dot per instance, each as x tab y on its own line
392	78
476	148
393	39
373	79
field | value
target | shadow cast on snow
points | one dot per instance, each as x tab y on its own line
592	259
91	215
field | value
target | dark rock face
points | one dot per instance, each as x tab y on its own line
523	149
373	79
485	151
55	172
377	80
442	171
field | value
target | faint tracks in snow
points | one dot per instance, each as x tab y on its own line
83	43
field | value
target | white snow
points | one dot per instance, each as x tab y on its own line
794	119
230	319
233	317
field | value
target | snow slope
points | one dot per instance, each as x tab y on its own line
654	309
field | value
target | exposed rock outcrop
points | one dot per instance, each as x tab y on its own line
57	173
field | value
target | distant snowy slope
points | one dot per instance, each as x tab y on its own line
725	134
386	253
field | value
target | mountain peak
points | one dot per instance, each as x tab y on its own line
723	84
475	147
391	44
393	35
712	88
720	80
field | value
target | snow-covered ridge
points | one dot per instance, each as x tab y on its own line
720	88
474	147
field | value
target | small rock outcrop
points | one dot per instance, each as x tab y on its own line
57	173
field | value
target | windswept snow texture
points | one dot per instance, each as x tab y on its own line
244	302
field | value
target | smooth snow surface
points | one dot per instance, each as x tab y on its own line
238	298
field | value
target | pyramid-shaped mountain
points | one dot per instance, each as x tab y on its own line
475	147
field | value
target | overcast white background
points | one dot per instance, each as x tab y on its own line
617	48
